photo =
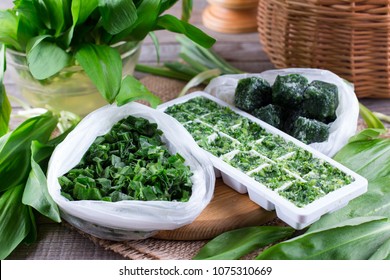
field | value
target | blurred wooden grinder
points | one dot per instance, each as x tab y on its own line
231	16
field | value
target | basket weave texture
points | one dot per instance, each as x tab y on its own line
348	37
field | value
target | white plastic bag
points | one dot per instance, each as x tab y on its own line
347	112
126	220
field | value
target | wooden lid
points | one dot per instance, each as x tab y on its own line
229	21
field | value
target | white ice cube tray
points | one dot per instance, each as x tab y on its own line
242	182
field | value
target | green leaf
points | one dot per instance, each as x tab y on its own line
15	221
117	15
44	58
367	134
36	193
156	44
200	78
186	10
383	252
103	65
173	24
15	149
9	29
52	13
354	239
371	120
148	12
234	244
375	202
5	106
132	90
82	9
369	158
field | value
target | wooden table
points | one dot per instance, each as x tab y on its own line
56	241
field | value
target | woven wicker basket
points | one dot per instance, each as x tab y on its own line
350	38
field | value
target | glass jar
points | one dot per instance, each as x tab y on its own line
69	90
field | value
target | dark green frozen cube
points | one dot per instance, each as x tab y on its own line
321	100
252	93
309	130
271	114
288	90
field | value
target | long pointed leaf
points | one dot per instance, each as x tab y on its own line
355	239
82	9
103	65
36	193
9	29
234	244
132	90
200	78
173	24
383	252
45	58
371	120
186	10
15	150
117	15
5	106
15	221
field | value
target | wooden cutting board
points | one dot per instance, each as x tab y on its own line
227	210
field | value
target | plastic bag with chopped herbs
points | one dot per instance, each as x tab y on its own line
130	219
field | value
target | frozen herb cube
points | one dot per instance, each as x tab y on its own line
288	90
218	144
320	101
271	114
199	130
222	118
328	178
252	93
204	102
182	117
272	176
309	130
299	162
245	131
246	161
301	193
272	146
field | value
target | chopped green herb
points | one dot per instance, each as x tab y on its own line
246	161
272	176
129	163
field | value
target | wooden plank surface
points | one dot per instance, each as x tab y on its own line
244	51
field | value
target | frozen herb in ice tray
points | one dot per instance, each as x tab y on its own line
245	161
278	164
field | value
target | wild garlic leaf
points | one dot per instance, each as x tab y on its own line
45	58
36	193
117	15
234	244
369	158
5	106
52	13
15	221
9	29
186	10
103	65
147	14
383	252
132	90
15	151
82	9
354	239
173	24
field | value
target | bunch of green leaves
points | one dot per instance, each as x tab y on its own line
24	154
130	162
55	34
